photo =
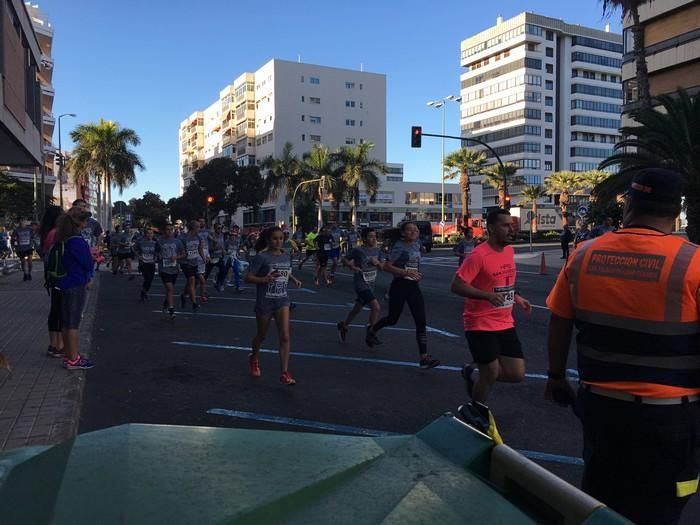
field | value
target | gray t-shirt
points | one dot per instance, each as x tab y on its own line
405	256
273	295
204	236
335	239
23	237
216	245
191	246
167	249
363	257
124	242
233	246
92	232
146	250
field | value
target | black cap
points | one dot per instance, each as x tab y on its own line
658	185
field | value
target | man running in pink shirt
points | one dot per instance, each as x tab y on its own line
486	280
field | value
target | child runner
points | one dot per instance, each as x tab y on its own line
169	251
146	250
404	263
270	271
194	253
364	262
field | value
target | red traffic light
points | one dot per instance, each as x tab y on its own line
416	136
210	199
507	202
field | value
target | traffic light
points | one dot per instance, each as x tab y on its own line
210	199
507	202
416	136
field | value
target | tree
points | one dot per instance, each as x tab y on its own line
530	195
355	168
103	148
631	8
149	210
590	180
497	176
248	190
215	179
667	139
284	173
16	197
464	163
320	164
564	184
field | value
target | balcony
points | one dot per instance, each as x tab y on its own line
47	90
46	63
48	119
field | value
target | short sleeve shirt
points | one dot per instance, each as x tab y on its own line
167	249
92	232
147	250
191	245
275	292
24	239
405	256
490	271
364	257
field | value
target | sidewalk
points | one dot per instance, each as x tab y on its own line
39	401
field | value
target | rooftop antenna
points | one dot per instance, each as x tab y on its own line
299	58
361	67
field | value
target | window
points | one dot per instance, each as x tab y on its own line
548	101
349	140
528	164
530	96
349	122
315	138
314	100
549	68
350	85
548	117
302	98
302	118
596	106
549	51
597	44
584	120
588	166
548	149
509	133
628	40
314	120
548	133
349	103
596	91
527	113
547	165
593	137
533	63
549	84
511	149
314	80
360	85
360	123
303	137
590	58
531	46
550	35
302	79
598	153
360	105
604	77
533	29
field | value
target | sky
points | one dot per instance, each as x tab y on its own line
148	64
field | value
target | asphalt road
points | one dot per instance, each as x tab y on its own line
193	370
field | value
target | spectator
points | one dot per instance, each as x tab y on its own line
565	237
583	234
47	237
606	227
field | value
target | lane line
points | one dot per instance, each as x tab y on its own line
250	300
368	432
573	374
322	323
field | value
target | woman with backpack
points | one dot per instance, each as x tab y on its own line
47	236
76	271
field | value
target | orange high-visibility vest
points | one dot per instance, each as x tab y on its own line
634	295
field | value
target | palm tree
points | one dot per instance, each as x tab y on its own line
464	163
591	180
319	163
667	139
631	8
284	173
355	168
103	149
530	195
497	176
564	184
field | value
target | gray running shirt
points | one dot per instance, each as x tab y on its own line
362	258
147	250
124	237
271	296
169	248
335	239
216	245
23	238
191	245
405	256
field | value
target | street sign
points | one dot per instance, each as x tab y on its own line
582	211
442	224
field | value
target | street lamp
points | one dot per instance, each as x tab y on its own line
437	104
61	160
294	215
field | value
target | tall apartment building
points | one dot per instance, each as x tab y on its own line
283	102
546	95
672	45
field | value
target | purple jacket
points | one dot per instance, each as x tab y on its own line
77	262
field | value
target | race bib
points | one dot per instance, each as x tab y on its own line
327	247
369	276
192	254
24	239
278	287
147	257
251	253
169	263
508	293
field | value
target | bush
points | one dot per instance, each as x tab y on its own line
551	235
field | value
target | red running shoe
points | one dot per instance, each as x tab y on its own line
254	366
287	379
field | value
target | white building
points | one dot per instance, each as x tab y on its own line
546	95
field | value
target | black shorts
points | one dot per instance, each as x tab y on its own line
24	254
188	271
168	277
486	347
364	297
322	258
124	256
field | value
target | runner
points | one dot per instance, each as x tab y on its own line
123	240
310	242
323	243
487	282
270	272
216	249
4	246
352	238
364	262
404	263
194	254
170	250
202	265
114	248
334	255
23	243
298	239
466	245
233	249
146	251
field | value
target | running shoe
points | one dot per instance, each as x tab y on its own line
342	331
54	352
428	362
370	337
79	363
144	296
287	379
240	290
29	277
195	307
467	371
183	300
171	313
254	365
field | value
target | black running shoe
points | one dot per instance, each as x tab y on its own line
467	371
370	337
342	331
144	296
183	300
195	307
171	313
428	362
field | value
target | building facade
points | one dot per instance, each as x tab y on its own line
546	95
672	47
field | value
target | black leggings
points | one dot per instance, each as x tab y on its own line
55	316
148	270
406	291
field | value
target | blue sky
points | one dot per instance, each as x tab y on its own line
149	64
